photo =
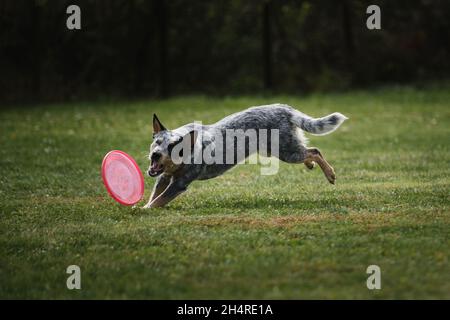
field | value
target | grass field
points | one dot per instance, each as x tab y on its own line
242	235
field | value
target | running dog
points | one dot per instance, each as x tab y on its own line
174	177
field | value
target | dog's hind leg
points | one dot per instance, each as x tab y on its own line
294	150
314	155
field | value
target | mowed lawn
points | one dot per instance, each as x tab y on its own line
291	235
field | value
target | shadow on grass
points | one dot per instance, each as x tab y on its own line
283	204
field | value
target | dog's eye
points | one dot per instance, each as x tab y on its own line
158	142
172	145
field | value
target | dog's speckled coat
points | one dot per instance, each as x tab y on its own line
174	179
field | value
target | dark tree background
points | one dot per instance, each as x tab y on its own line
135	48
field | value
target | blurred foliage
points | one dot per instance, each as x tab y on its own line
215	47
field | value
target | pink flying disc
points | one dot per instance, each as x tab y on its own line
122	177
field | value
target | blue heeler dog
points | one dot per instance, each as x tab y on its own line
175	176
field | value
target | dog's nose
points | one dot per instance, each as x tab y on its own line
156	156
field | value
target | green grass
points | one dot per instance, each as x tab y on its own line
241	235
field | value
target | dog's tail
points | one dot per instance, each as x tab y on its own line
318	126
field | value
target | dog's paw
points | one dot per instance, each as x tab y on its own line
331	176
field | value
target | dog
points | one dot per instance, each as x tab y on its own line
173	177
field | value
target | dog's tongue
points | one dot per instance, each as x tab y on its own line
155	166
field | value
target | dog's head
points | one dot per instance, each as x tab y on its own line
161	150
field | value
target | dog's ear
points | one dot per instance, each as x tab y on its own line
157	125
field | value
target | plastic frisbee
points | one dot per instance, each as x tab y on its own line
122	177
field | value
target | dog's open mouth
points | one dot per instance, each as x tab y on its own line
155	169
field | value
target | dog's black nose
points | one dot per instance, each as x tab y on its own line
156	156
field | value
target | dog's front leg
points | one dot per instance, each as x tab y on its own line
174	189
160	185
